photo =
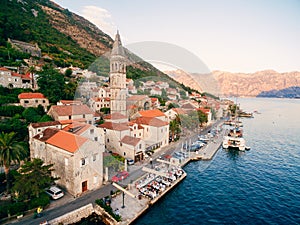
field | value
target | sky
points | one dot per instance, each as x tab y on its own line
232	35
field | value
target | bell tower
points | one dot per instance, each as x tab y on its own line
118	77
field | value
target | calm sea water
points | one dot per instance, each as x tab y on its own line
260	186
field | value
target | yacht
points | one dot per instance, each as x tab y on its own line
234	139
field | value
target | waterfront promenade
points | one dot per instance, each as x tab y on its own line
133	206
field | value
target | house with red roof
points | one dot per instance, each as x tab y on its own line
172	113
11	79
33	100
156	131
70	113
154	113
132	148
97	103
78	161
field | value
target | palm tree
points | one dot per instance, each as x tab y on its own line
10	151
31	70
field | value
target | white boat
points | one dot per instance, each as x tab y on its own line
234	142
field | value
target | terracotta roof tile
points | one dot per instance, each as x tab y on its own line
179	111
30	95
66	110
45	124
115	126
115	116
66	141
77	128
150	121
130	140
151	113
46	134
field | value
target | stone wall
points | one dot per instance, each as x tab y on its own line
73	216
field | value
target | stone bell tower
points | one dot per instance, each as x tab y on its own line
118	77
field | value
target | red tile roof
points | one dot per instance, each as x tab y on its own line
115	126
115	116
150	121
64	122
77	128
66	110
66	141
179	111
151	113
30	95
4	69
45	124
204	110
137	97
130	140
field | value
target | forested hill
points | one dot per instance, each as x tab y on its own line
43	22
65	38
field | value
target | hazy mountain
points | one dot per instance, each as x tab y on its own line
241	84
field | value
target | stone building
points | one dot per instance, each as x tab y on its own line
72	112
78	161
33	100
32	49
14	80
118	77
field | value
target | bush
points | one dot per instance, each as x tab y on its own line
3	211
11	110
108	209
43	201
18	207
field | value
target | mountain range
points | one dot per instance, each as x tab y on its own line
228	84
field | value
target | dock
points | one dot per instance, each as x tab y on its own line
135	207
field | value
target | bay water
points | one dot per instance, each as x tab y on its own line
260	186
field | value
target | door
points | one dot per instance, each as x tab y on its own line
84	186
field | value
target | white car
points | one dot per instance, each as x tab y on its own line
130	161
54	192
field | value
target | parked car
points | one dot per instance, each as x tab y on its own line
130	161
120	176
54	192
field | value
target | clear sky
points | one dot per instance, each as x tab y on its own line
228	35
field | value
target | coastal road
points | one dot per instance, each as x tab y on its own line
68	203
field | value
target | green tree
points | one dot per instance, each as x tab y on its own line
10	151
174	127
31	115
33	178
51	83
68	72
69	90
202	117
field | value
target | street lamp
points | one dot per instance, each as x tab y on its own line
123	206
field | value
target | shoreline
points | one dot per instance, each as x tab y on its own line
205	154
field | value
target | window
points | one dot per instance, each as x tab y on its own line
107	140
91	131
121	144
66	161
70	117
26	101
96	138
140	146
82	162
95	157
124	153
83	115
36	101
134	135
44	101
140	134
162	130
